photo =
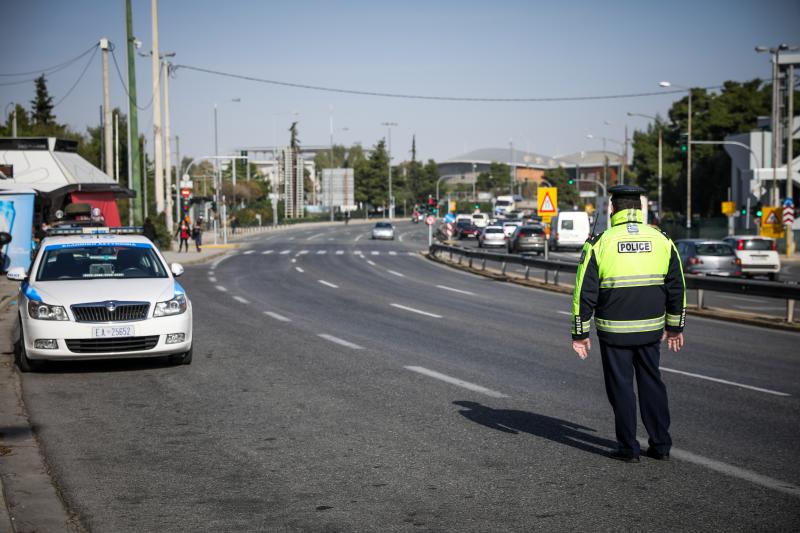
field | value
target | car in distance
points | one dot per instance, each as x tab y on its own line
570	229
492	236
100	293
708	257
465	228
480	219
383	230
510	226
527	239
759	255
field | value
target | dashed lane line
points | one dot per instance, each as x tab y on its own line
371	263
322	252
358	238
266	252
375	252
451	289
212	279
241	300
392	252
299	269
455	381
398	274
221	288
248	252
564	313
302	252
328	284
418	311
340	342
286	252
339	252
314	236
276	316
724	382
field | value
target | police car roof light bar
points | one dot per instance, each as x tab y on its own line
91	230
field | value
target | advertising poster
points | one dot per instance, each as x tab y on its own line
16	218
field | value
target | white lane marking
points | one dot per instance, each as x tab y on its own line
276	316
266	252
302	252
322	252
216	263
723	381
212	279
286	252
402	236
564	313
370	262
241	300
398	306
455	290
398	274
328	284
375	252
358	252
732	471
299	269
412	253
248	252
294	260
392	253
358	238
221	288
314	237
455	381
341	342
339	252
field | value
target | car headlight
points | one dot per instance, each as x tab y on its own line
43	311
175	306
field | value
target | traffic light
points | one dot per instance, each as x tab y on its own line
571	181
743	211
684	142
434	210
757	210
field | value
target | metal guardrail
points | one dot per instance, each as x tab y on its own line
768	289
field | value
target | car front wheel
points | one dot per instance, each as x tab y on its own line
184	358
23	363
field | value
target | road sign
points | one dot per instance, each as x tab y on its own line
449	230
728	208
547	202
186	192
449	217
771	223
430	220
788	214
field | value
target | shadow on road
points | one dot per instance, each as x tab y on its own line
554	429
132	364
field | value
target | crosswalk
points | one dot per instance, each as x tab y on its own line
356	252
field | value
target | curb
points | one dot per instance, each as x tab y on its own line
706	312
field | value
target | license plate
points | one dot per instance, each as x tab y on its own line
113	331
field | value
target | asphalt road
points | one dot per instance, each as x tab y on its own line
341	384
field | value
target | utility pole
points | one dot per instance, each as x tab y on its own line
158	142
624	156
178	178
134	171
790	155
107	131
330	172
116	147
167	151
144	172
389	153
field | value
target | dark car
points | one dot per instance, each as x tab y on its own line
527	239
465	228
708	257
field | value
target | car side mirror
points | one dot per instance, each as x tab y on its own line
176	269
17	274
5	238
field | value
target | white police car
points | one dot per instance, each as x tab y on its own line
98	293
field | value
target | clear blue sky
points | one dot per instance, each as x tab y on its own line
455	48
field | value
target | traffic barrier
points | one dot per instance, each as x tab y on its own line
790	292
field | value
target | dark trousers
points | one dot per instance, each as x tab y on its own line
619	365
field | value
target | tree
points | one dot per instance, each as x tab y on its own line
568	197
371	176
42	104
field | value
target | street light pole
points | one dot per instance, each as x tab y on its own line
666	84
391	199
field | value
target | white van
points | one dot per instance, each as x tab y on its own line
480	220
569	229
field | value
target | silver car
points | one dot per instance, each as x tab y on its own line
492	236
383	230
708	257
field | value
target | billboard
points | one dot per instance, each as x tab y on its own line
338	188
16	218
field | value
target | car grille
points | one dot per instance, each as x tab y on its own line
99	311
119	344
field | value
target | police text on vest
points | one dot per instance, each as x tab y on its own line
634	247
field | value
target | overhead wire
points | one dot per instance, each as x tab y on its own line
83	73
428	97
54	68
125	85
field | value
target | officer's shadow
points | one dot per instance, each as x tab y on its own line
554	429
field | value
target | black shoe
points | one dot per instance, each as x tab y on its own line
624	457
655	454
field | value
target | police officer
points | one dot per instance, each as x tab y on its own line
630	279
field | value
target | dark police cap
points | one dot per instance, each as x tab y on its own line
626	190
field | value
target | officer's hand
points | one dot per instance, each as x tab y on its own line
582	347
674	340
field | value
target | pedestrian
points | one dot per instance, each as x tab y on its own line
183	233
346	217
234	224
630	278
197	233
149	230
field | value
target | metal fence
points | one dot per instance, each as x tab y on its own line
790	292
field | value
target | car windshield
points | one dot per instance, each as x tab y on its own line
527	232
383	225
757	244
566	224
494	230
502	203
711	248
99	261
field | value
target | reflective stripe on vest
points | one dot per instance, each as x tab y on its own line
629	326
639	280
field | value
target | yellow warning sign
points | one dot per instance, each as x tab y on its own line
547	201
728	208
771	224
